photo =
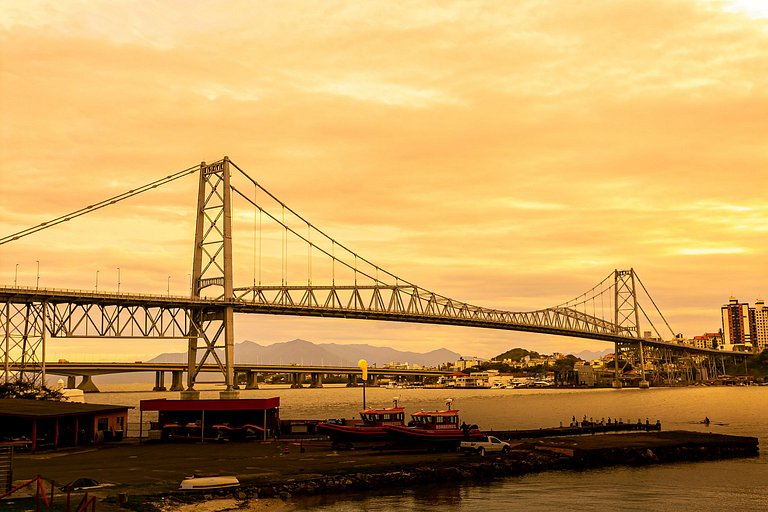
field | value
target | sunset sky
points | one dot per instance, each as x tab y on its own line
506	154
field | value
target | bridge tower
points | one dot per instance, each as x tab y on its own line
627	322
212	328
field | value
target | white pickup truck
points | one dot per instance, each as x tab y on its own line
483	445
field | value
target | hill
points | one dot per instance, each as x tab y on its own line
303	352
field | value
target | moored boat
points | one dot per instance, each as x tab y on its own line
203	483
435	428
369	429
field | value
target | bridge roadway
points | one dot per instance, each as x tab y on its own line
297	373
482	318
94	368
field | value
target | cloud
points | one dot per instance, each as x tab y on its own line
505	154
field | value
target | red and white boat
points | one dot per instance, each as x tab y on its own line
434	429
368	430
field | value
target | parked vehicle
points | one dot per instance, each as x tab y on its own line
486	444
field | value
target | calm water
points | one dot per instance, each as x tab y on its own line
728	485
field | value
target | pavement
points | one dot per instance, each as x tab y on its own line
154	468
151	470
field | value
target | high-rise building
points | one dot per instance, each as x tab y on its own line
761	326
737	328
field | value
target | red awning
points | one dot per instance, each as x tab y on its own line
240	404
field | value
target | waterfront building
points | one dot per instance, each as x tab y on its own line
51	425
761	326
396	366
585	374
473	380
738	330
463	364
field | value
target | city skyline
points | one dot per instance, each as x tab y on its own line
506	157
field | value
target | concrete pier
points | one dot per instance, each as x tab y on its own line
87	385
177	383
159	382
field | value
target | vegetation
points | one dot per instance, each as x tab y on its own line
29	391
757	366
560	366
517	354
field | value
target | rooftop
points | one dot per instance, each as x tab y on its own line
39	408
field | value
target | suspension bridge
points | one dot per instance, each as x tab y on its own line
332	280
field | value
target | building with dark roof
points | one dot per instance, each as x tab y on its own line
39	424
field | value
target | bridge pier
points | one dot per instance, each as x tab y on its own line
71	382
87	385
159	382
251	380
296	381
317	380
351	380
177	381
189	394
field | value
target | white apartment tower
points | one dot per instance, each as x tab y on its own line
761	326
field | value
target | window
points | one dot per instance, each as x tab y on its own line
102	423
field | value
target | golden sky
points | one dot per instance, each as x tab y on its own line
506	154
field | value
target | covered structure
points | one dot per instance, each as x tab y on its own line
50	424
212	420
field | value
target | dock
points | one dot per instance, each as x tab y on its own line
595	428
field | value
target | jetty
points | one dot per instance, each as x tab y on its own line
574	430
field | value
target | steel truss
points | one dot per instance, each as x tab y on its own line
24	332
410	301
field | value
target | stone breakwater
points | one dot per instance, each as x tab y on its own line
526	457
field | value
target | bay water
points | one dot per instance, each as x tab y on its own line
739	484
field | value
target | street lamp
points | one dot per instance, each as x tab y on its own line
118	279
97	281
16	276
168	289
37	286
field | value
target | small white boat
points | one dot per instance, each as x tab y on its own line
201	483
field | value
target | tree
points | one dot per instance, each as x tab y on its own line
28	391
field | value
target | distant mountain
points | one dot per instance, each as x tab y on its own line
303	352
589	355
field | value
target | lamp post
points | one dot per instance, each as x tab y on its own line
363	365
168	288
97	281
37	285
16	276
118	279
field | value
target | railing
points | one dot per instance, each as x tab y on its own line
86	502
39	492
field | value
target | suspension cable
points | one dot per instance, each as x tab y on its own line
99	205
655	306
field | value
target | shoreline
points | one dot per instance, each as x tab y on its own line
274	474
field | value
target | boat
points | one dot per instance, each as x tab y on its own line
204	483
369	429
435	429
